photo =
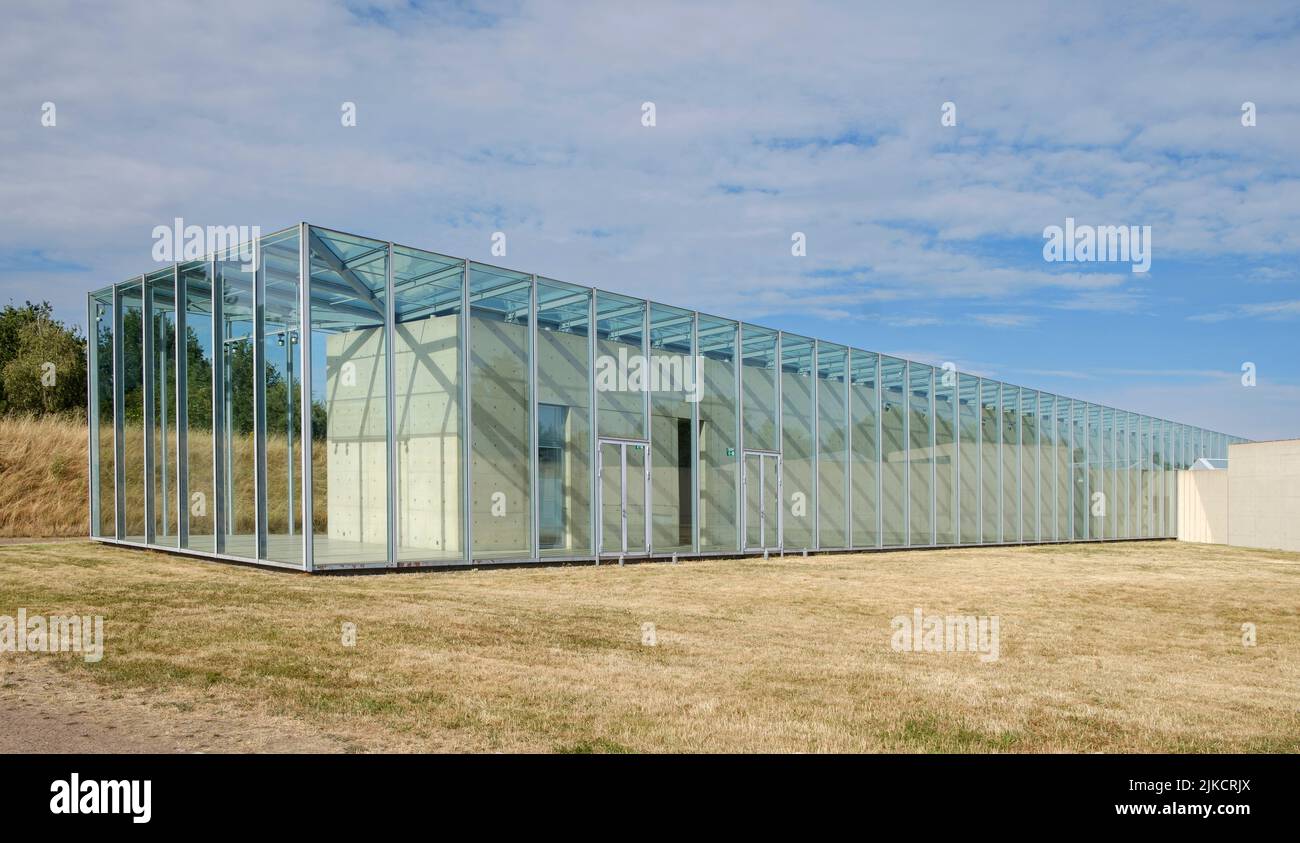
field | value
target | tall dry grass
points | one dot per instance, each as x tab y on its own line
44	487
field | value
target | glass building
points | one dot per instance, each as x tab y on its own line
335	402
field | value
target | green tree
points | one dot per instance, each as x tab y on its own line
43	365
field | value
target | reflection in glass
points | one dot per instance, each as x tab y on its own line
198	509
349	398
893	451
563	419
671	481
1029	464
945	456
968	420
758	387
920	454
863	410
500	465
797	441
718	460
832	445
100	414
282	371
991	466
428	358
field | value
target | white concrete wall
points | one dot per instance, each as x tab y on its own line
1203	506
1255	502
1264	494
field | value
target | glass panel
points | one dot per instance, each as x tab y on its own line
349	401
719	524
758	385
1079	460
282	362
920	449
500	465
968	414
1029	465
1064	478
133	412
611	497
239	458
563	419
100	414
771	501
945	456
863	407
753	500
1158	454
634	483
196	286
1096	479
162	435
797	440
1010	463
832	445
893	451
991	481
622	378
1135	475
672	401
1120	503
1046	467
428	402
1111	515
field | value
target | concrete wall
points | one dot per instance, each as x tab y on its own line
1264	494
1255	502
1203	506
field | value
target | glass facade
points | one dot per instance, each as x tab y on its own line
327	401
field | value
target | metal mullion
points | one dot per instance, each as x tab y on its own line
467	416
92	415
817	448
880	457
534	533
647	410
779	376
390	408
737	435
219	509
181	346
698	362
906	450
847	421
259	404
934	486
305	433
119	411
147	374
595	515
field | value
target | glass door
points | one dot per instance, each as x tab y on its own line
624	479
762	494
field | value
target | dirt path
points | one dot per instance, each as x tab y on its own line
44	711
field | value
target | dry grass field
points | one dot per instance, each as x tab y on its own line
43	485
1118	648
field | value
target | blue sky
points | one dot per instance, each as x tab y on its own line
923	240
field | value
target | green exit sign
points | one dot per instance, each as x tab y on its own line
731	452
